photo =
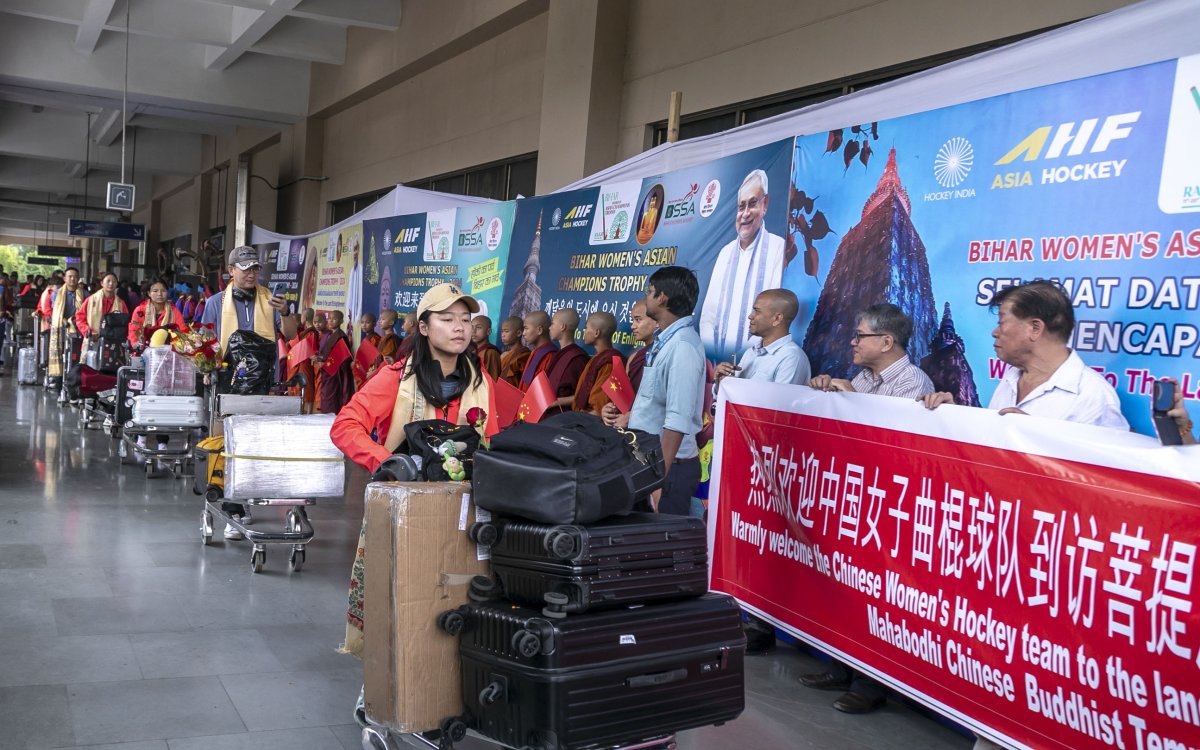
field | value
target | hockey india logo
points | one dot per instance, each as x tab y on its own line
953	162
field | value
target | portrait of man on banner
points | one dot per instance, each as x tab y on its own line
751	262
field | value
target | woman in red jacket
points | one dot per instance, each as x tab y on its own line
439	380
154	312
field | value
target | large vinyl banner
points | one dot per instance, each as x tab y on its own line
1031	578
937	211
593	249
283	265
406	255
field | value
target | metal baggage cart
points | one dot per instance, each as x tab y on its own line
376	737
297	531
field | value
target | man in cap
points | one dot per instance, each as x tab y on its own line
245	305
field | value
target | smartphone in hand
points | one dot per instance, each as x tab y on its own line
279	289
1161	401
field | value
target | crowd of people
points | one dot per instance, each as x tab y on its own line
440	361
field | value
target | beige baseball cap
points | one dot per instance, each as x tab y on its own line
442	296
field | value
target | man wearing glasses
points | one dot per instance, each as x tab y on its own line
879	344
752	262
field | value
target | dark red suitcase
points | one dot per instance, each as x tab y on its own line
638	558
602	679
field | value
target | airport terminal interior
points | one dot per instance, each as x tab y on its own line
119	629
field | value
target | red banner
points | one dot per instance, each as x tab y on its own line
1030	578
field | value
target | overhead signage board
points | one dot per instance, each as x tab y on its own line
120	196
111	230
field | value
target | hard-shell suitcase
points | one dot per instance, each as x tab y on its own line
169	411
634	559
229	404
210	468
602	679
27	366
131	382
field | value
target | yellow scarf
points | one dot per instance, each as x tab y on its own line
264	315
60	305
411	405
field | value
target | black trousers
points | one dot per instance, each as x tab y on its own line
677	492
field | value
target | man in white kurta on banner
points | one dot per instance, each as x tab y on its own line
749	264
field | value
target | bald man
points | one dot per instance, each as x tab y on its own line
777	359
590	394
512	362
568	364
536	333
389	341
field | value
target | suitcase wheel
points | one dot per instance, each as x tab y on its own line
213	494
454	729
556	605
495	692
483	589
452	621
483	533
525	643
563	543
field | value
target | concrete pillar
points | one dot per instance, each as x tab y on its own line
581	89
201	213
301	154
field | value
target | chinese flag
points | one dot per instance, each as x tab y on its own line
619	389
537	399
300	353
366	355
508	402
337	356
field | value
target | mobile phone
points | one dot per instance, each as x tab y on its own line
1161	401
278	289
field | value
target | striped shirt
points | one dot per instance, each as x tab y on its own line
901	378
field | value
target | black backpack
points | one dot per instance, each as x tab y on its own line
568	468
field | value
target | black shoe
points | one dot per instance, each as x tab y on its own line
825	681
857	703
758	642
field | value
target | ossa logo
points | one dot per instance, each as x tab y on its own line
1068	139
682	207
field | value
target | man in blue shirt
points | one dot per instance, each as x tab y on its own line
671	396
777	359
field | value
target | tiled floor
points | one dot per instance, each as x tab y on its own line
119	630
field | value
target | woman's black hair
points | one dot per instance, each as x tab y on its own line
429	372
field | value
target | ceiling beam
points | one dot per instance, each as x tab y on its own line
249	27
95	16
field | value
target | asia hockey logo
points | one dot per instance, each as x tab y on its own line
953	162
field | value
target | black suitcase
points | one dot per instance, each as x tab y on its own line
568	468
131	381
638	558
602	679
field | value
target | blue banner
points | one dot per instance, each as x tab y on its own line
937	211
594	249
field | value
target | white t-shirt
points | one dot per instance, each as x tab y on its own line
1075	392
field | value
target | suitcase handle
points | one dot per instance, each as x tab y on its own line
657	678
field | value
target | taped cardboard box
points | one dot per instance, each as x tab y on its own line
419	562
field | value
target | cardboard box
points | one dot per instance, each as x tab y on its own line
419	563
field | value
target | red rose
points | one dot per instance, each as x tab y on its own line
475	415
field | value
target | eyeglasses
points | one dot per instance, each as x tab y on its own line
855	338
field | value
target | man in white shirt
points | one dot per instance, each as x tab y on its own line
777	359
746	266
1044	376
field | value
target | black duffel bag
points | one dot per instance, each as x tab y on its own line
114	326
426	439
569	468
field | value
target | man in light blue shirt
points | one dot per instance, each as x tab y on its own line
777	359
670	398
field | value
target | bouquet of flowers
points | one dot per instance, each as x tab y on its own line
200	345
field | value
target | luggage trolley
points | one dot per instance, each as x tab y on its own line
298	530
171	409
375	737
